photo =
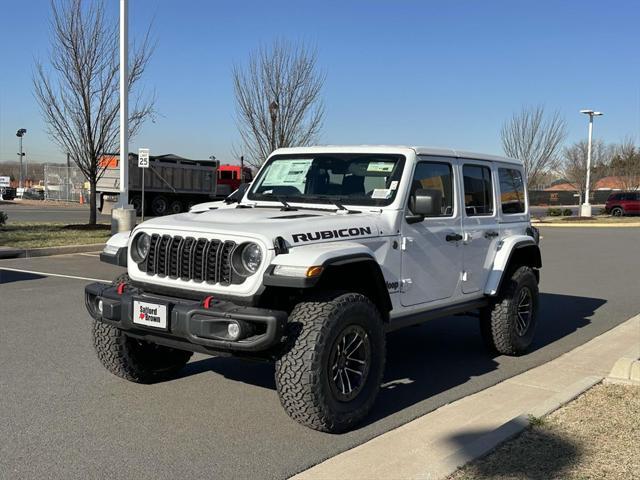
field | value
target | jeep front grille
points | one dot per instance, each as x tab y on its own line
189	258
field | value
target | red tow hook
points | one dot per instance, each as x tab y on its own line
206	303
120	288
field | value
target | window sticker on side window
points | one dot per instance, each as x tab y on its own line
380	167
287	172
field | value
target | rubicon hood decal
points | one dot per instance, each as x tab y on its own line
330	234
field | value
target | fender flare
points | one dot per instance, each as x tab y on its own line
116	248
503	259
344	254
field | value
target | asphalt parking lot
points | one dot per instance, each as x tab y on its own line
63	416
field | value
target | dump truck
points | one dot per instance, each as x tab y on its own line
172	184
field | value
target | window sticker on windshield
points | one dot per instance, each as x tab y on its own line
381	193
394	185
381	167
287	172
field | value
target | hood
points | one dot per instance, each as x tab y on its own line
297	227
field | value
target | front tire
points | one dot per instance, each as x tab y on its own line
508	324
330	374
135	360
617	212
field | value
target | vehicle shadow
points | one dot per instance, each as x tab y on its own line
432	358
448	352
537	454
8	276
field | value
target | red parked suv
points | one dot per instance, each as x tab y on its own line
623	203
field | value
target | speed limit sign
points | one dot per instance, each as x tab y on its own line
143	157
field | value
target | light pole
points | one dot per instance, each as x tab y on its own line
20	133
585	208
123	218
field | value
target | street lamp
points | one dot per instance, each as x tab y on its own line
585	208
20	133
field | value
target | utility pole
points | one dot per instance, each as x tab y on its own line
123	218
124	104
241	169
585	209
20	133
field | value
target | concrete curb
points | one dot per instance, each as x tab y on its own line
8	252
586	224
435	445
487	443
626	371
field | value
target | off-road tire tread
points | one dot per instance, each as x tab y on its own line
297	371
115	350
495	321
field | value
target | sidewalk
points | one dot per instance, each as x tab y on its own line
435	445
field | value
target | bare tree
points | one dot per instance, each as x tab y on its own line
535	140
574	165
625	164
278	99
79	93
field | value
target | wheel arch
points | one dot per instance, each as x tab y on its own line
351	268
357	273
519	251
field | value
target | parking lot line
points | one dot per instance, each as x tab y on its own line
54	275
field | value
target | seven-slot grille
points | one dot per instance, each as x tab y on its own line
189	258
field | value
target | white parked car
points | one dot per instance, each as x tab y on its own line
329	249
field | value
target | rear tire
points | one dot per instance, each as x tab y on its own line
159	206
175	207
508	324
617	212
330	374
136	203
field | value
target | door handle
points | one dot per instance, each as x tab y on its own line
491	234
453	237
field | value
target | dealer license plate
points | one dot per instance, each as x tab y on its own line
150	314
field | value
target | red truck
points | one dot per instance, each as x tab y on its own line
230	175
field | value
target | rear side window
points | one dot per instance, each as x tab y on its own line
478	190
435	176
631	196
511	190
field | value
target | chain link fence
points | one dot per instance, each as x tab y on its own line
65	183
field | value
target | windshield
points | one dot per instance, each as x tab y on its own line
356	179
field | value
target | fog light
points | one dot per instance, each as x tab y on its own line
233	330
100	306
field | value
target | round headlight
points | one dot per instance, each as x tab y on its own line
141	247
251	257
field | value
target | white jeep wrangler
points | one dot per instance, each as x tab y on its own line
327	250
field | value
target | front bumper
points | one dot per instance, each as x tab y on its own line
190	326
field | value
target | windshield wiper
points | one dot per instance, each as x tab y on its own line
285	206
336	201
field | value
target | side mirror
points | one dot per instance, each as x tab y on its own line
424	203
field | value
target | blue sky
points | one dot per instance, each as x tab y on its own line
441	73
